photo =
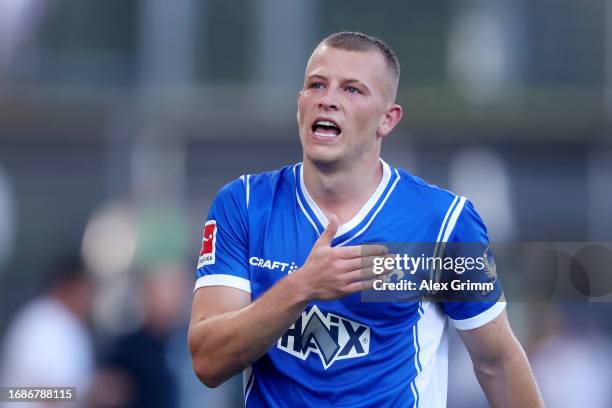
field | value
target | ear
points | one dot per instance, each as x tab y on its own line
391	118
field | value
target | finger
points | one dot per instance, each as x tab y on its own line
366	274
358	251
358	276
366	262
330	232
374	250
361	285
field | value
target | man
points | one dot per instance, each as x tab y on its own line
49	342
136	370
282	263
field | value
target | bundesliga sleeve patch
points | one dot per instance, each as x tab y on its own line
207	253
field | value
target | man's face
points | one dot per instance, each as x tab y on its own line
343	109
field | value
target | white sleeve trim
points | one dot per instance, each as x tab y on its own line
481	319
223	280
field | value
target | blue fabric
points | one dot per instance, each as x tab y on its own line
346	352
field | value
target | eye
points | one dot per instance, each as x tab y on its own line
315	85
352	89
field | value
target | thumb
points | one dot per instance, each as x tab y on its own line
330	231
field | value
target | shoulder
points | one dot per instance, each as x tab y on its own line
269	178
242	185
259	185
456	212
238	198
418	189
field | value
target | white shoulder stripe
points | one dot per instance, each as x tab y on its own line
248	189
452	214
245	180
448	212
223	280
453	219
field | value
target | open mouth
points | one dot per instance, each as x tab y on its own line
326	128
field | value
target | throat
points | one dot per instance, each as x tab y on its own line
343	194
344	211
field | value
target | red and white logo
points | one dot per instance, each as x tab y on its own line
209	239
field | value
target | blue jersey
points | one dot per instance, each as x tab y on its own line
345	352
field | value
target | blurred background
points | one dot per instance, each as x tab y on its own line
120	119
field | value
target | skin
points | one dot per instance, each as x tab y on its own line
501	365
356	90
228	332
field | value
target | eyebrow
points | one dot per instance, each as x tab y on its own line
345	81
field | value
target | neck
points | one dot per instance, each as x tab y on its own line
342	190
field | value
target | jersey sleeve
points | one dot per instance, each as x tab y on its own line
223	258
469	239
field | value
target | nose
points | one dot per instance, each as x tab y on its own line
328	100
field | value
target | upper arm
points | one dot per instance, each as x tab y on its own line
491	342
209	302
214	300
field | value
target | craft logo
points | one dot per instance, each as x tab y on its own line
209	239
330	336
272	265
